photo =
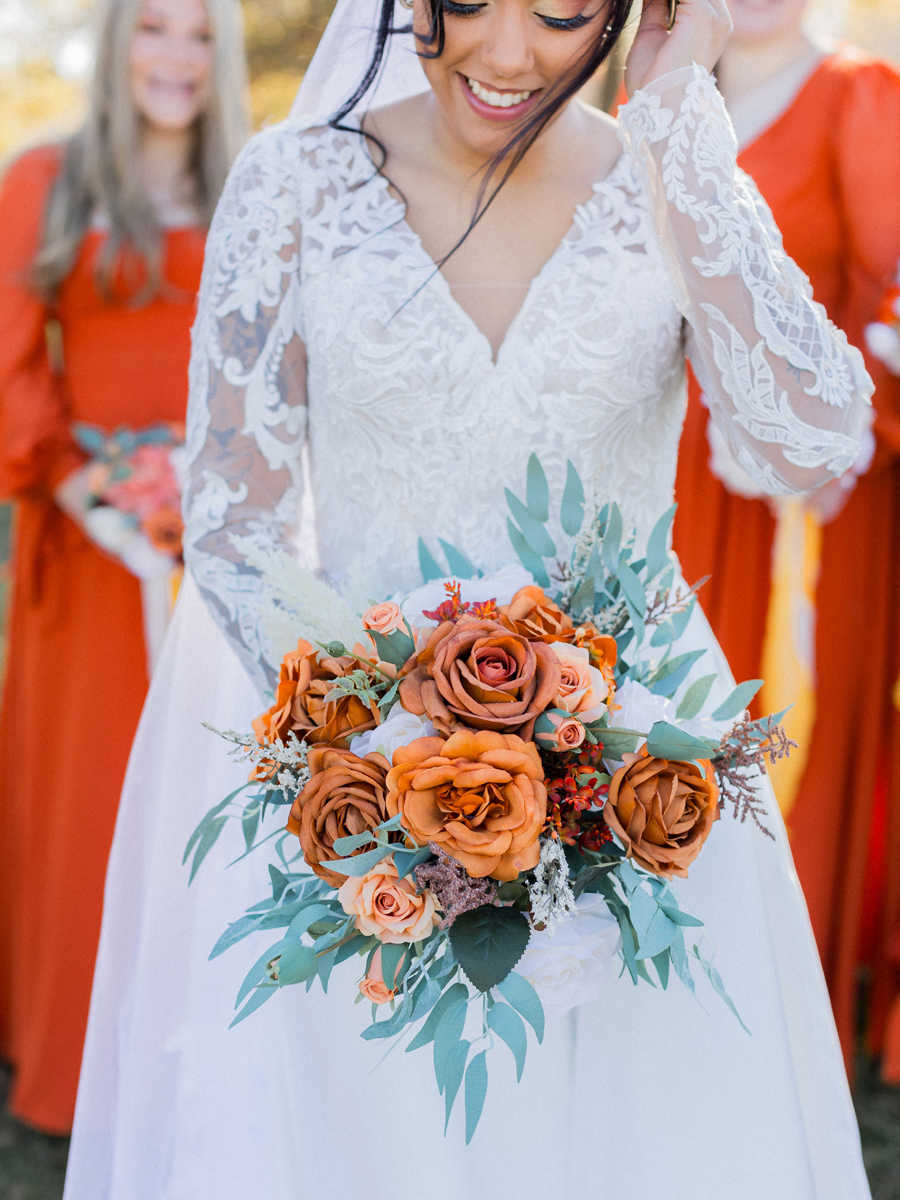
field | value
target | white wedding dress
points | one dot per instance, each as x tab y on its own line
411	429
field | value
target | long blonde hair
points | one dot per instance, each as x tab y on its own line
100	162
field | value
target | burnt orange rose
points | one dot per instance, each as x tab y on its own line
345	795
603	653
480	796
536	617
478	673
164	530
301	706
662	811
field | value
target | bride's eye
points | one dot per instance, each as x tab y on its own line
452	9
565	22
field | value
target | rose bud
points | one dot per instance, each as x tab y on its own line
558	730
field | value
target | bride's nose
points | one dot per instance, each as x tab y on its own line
506	48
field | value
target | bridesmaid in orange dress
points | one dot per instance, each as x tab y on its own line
101	247
820	135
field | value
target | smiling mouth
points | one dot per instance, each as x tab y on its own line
496	99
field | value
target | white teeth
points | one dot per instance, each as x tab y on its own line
497	99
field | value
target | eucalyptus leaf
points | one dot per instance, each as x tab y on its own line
718	986
257	1000
571	513
695	697
257	972
518	992
533	531
429	568
737	701
488	942
454	1070
308	916
476	1090
672	674
507	1024
393	1025
661	962
617	742
235	933
612	540
447	1034
407	860
633	590
392	955
679	917
537	493
668	741
458	563
453	995
208	839
353	841
279	881
359	864
673	627
250	823
660	935
530	561
658	543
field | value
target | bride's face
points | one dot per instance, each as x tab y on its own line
501	57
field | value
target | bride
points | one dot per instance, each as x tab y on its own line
356	318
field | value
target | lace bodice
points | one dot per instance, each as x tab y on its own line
324	325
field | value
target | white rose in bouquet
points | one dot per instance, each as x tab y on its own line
639	708
399	729
573	964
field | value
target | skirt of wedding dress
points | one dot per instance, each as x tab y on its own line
643	1093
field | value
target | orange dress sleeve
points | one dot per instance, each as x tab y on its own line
36	448
867	144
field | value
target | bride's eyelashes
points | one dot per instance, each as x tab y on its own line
452	9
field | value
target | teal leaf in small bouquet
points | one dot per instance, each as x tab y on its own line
738	700
488	942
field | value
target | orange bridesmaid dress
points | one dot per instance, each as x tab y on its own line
76	671
829	167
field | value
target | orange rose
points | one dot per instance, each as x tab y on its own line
345	795
662	811
307	677
373	986
164	530
477	673
536	617
388	907
603	653
480	796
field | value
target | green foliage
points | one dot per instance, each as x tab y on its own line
476	1090
488	942
738	700
668	741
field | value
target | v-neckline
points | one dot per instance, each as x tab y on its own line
436	275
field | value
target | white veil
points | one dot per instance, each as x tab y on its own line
344	53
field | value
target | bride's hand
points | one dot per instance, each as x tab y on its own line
699	35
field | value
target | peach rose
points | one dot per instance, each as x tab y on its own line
373	986
383	618
480	796
477	673
164	530
345	795
536	617
662	811
307	677
386	906
582	688
555	731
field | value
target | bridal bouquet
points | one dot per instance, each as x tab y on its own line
493	790
134	494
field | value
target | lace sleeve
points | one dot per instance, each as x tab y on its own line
786	391
246	414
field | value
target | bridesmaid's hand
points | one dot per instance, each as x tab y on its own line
699	35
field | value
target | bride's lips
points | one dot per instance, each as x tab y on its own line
492	113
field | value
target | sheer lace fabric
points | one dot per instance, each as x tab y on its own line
322	319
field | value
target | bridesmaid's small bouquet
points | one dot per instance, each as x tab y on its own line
883	334
495	783
134	500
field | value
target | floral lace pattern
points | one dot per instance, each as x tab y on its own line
323	323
